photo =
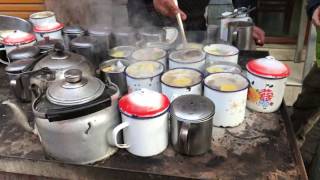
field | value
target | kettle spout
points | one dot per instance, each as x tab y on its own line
19	116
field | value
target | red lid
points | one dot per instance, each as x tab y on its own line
18	37
144	104
268	67
49	27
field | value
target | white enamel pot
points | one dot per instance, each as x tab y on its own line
230	105
221	53
144	123
147	81
172	91
268	79
43	17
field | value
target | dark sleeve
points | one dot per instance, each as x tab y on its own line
312	5
244	3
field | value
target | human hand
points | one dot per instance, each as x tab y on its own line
316	17
168	8
258	35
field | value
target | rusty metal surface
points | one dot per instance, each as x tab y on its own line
257	149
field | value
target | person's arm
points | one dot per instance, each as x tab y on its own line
313	11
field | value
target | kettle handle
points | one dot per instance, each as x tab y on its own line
115	133
184	136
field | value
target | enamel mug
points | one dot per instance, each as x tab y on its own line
150	54
43	17
144	116
187	58
181	81
49	30
144	74
228	91
268	78
221	52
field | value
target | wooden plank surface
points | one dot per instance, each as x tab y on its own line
21	1
23	15
22	7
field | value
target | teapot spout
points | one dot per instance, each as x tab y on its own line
19	116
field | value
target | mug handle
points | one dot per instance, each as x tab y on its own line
115	133
184	136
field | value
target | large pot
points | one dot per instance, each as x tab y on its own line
221	52
71	32
181	81
187	58
229	93
124	36
144	75
144	116
268	79
60	61
18	39
49	30
88	47
150	54
103	34
75	118
43	17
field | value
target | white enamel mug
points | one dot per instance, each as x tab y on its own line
144	116
144	75
228	91
43	17
187	58
181	81
150	54
221	53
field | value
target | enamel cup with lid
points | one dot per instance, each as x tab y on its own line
187	58
49	30
191	124
144	74
181	81
18	39
221	52
144	116
268	78
229	93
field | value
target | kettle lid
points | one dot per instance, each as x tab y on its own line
75	89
